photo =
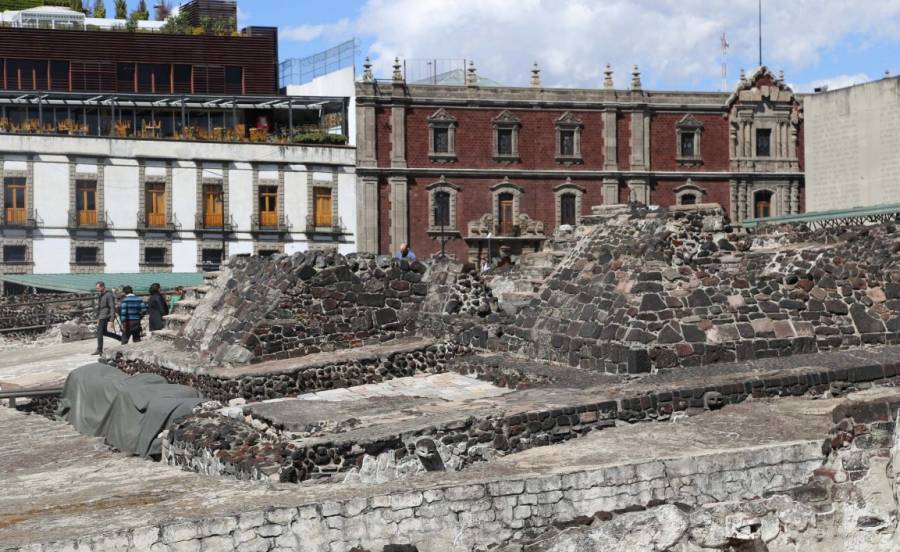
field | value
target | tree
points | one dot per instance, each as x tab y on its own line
178	24
141	13
121	9
77	6
100	10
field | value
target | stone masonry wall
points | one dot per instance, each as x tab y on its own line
656	290
460	516
262	309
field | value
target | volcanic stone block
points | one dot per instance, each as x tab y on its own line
652	302
863	322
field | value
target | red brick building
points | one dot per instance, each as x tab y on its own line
517	163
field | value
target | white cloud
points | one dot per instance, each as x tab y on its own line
307	33
833	83
671	40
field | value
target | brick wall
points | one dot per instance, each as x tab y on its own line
713	142
717	191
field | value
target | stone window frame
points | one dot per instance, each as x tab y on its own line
160	243
81	268
273	245
569	122
28	175
689	124
26	267
771	128
506	121
210	244
311	184
505	186
689	188
98	178
442	119
278	183
223	181
568	187
777	202
144	179
442	185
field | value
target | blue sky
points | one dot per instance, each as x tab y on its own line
675	42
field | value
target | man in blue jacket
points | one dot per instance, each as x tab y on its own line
131	309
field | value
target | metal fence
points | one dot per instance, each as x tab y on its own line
434	70
303	70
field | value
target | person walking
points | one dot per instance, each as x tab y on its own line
131	310
156	308
179	295
105	311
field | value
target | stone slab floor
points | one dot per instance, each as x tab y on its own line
45	364
57	484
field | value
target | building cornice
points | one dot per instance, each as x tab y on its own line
562	105
574	175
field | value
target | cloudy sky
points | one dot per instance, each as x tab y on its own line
676	43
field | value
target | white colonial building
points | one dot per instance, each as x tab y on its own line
105	204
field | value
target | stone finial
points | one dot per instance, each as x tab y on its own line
743	77
635	78
887	73
367	71
608	77
781	76
471	75
535	76
398	74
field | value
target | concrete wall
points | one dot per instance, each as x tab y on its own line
853	146
51	160
340	83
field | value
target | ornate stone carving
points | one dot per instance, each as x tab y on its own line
483	226
608	77
535	76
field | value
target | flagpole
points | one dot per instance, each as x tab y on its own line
759	6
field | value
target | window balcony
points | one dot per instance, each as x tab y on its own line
20	218
214	223
88	220
156	222
315	228
267	222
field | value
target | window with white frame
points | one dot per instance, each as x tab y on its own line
687	140
442	206
568	138
506	136
442	136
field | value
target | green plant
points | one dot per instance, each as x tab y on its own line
77	5
319	137
121	9
177	24
100	9
141	13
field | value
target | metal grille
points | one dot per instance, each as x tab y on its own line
435	71
303	70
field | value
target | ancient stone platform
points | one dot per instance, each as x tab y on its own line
64	488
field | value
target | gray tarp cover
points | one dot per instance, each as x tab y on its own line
128	411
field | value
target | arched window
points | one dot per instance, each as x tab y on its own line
762	204
688	199
567	210
505	214
442	208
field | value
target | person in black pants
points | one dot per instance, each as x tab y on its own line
156	308
105	311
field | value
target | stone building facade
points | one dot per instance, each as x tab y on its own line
497	170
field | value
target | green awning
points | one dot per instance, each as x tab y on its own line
84	283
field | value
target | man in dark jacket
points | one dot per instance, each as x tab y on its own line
104	312
131	310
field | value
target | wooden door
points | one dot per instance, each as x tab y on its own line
505	220
762	204
86	202
14	202
213	206
322	207
268	206
156	204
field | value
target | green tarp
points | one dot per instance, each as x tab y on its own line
84	283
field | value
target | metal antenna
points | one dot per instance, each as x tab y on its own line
759	5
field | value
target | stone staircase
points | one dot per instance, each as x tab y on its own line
178	319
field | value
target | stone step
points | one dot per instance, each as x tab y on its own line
200	291
182	318
166	334
188	304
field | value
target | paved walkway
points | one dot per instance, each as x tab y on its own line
46	364
448	386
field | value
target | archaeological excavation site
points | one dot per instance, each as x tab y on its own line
652	380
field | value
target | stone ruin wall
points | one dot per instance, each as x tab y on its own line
656	291
262	309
